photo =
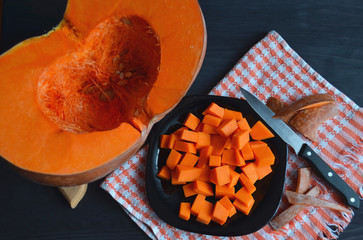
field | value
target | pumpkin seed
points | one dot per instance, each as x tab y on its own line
122	82
126	21
122	75
128	74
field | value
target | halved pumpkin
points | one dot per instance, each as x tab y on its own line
77	102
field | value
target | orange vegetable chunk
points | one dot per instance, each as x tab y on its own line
228	205
263	156
220	213
185	146
240	139
250	171
224	190
164	141
220	175
189	159
172	139
164	173
228	144
257	144
215	110
203	188
245	181
189	136
174	180
239	159
242	207
244	197
186	173
197	204
204	175
243	125
203	140
247	153
212	120
205	213
231	114
227	127
208	129
191	121
173	159
184	211
214	161
178	131
234	176
204	154
218	142
188	190
263	171
228	157
260	132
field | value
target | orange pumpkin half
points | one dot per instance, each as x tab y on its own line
78	101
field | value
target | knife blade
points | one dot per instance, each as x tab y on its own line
302	149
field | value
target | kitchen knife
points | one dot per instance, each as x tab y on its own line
302	149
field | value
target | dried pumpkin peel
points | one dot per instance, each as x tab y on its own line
81	99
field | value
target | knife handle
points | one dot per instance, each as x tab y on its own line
351	197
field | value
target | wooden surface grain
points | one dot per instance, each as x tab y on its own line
327	34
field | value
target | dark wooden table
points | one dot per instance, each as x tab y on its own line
327	34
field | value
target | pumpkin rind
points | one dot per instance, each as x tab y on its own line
38	148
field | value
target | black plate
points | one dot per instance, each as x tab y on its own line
165	198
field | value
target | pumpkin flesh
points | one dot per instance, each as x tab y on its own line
80	152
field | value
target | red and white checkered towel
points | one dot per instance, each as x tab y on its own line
270	68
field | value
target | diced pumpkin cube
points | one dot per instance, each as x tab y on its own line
189	136
203	140
204	175
209	129
186	173
234	176
197	204
229	157
240	139
172	139
260	132
218	142
228	205
173	159
205	213
215	110
244	196
231	114
220	213
245	181
164	141
242	207
189	159
191	121
247	153
184	211
228	143
174	180
263	156
188	190
243	125
214	161
220	175
239	159
212	120
164	173
226	128
202	188
250	171
185	146
224	190
263	171
204	154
